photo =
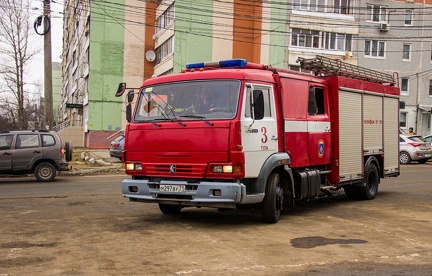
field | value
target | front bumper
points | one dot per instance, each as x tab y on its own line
201	194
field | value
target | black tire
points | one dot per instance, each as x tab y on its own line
169	209
371	180
404	157
45	172
69	151
273	200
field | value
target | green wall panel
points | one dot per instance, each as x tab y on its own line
194	33
278	37
106	64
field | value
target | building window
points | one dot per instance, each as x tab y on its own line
404	86
406	55
374	48
408	17
164	50
430	87
402	119
165	19
320	40
376	13
327	6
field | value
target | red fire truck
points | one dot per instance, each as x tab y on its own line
234	134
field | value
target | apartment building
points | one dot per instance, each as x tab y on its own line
103	45
129	40
396	36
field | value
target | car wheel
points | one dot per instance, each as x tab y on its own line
45	172
169	209
68	148
404	157
273	200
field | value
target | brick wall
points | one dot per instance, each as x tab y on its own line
99	139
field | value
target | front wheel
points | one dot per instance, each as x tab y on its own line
273	200
169	209
404	157
45	172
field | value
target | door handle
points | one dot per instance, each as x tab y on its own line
274	138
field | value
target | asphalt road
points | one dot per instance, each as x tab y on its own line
83	226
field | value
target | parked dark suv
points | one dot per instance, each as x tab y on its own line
39	152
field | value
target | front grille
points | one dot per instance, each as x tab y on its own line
191	171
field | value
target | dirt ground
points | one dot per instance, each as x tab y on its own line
83	226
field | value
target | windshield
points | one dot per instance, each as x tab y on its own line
188	100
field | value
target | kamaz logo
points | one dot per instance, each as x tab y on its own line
172	169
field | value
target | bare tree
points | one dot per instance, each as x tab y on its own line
15	53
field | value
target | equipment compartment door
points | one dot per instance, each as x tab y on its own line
318	126
259	137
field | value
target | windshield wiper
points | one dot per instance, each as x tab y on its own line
172	120
202	118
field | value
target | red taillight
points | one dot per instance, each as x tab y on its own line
116	145
62	151
415	144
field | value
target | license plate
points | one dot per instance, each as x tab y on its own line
172	188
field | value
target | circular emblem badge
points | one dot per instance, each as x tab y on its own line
320	148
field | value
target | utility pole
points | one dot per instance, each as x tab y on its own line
48	89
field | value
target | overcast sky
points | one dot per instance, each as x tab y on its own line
36	66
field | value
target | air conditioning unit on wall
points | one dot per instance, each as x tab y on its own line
384	27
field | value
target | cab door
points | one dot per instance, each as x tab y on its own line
259	137
318	125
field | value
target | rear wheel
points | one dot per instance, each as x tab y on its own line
273	200
45	172
404	157
169	209
370	190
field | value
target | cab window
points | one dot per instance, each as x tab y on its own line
267	104
316	101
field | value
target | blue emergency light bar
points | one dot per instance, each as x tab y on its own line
237	62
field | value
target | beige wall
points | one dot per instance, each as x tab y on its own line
74	134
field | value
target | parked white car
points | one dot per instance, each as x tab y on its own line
414	148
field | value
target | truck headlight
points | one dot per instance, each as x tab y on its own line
226	169
133	167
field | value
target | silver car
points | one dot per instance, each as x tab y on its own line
414	148
116	147
428	138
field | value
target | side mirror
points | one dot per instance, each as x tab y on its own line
121	89
130	96
128	112
257	105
